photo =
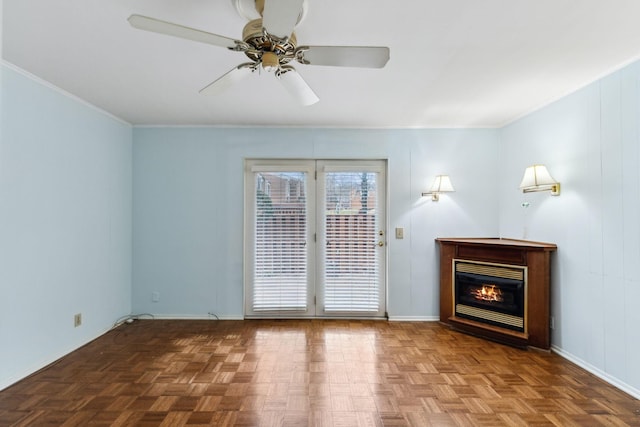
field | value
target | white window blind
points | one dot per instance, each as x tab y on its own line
352	258
280	266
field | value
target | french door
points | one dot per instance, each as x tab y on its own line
315	238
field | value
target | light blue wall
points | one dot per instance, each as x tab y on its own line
590	143
65	223
188	208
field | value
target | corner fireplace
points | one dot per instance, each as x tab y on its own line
490	293
497	289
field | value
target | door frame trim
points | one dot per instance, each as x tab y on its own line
249	165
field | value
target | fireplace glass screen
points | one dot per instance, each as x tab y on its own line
490	294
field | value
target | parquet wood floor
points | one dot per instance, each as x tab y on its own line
309	373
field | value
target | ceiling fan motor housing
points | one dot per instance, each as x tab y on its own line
254	35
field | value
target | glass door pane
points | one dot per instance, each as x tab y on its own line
280	230
353	239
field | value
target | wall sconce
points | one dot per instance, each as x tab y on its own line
538	178
441	184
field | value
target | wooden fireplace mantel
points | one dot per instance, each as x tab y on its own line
534	255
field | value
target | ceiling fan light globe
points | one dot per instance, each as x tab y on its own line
270	61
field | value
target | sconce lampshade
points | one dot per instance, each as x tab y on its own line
538	178
441	184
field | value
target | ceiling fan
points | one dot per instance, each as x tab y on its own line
271	44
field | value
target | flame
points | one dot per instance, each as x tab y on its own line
488	293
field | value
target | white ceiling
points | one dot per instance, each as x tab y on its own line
454	63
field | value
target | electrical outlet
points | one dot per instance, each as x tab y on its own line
552	322
155	296
77	320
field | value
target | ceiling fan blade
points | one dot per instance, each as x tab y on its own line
297	87
344	56
227	80
157	26
281	16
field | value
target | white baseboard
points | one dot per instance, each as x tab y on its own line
597	372
196	317
414	319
